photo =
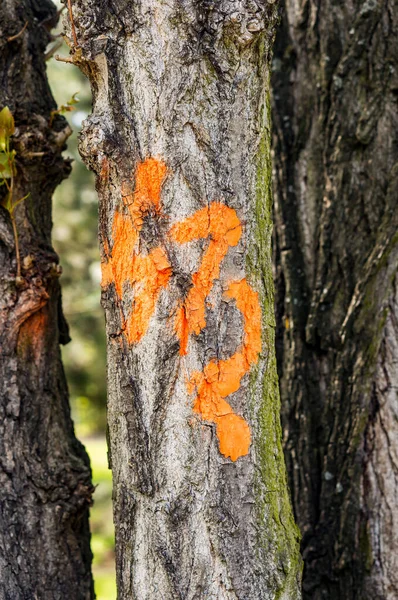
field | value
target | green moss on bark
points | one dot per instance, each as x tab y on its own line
279	533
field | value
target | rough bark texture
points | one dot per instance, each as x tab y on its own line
180	123
45	488
335	83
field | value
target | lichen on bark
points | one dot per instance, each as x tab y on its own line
276	499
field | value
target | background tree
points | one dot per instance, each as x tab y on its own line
336	160
180	140
45	488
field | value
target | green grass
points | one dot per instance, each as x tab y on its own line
101	522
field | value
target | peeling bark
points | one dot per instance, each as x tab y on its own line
45	487
179	140
336	166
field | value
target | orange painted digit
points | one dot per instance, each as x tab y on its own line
221	378
222	225
146	274
149	274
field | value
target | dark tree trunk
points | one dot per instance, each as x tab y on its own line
45	488
335	83
180	142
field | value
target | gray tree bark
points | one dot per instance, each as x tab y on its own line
45	487
179	140
336	161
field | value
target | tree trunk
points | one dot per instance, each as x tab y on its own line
180	140
336	156
45	488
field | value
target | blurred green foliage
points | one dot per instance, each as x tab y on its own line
101	523
75	216
75	240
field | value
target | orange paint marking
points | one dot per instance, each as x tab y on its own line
221	378
221	223
150	274
104	174
32	334
146	274
118	268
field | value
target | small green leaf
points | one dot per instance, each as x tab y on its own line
14	206
7	202
73	100
7	127
7	169
64	108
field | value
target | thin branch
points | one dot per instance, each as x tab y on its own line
17	35
17	253
52	50
72	23
64	59
14	224
32	154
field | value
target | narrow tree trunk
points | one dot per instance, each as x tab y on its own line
336	154
45	488
179	139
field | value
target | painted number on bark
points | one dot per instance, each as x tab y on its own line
149	273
